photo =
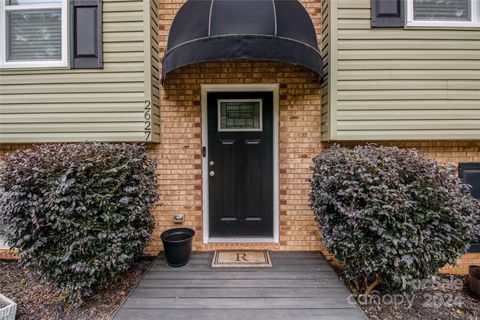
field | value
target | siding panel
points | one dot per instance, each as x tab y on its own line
70	127
408	65
76	136
412	74
360	115
407	125
427	134
72	107
90	87
400	84
53	105
407	104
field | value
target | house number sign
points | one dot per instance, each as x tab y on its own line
147	115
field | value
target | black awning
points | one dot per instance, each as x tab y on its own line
266	30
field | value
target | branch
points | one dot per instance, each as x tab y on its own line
372	286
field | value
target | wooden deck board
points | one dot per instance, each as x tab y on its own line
238	303
232	275
275	267
284	260
300	285
238	293
240	314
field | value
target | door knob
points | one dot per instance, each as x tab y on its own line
211	173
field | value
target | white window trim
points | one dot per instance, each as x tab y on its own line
37	63
219	124
475	6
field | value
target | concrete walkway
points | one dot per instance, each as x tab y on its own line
300	286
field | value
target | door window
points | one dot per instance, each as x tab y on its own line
240	115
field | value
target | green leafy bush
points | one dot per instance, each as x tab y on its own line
390	215
78	213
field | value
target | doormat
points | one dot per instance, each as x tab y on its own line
241	258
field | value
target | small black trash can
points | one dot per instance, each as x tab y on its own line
177	244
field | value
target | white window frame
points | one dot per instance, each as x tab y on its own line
475	7
220	129
34	63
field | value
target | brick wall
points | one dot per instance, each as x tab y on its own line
179	154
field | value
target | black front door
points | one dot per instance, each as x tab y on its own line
240	164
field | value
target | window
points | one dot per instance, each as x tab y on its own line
33	33
444	13
240	115
470	174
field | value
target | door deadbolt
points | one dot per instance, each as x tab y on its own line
212	163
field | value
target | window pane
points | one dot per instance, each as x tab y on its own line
34	35
442	10
240	115
23	2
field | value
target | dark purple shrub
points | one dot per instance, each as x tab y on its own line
390	215
78	213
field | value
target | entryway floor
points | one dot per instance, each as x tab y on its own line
300	286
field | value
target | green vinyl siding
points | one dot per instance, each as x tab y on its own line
66	105
400	84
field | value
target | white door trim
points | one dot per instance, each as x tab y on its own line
274	88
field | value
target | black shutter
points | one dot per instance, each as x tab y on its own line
87	47
388	13
470	174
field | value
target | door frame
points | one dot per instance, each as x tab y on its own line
251	87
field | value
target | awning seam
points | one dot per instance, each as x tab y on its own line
274	16
210	18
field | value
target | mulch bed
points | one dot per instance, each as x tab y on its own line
37	300
439	302
448	298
